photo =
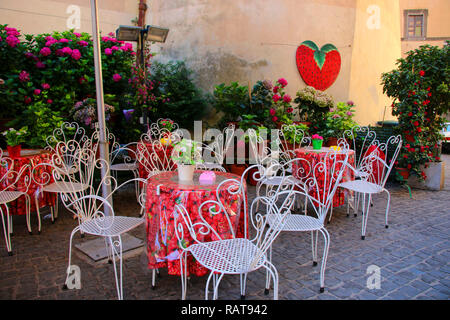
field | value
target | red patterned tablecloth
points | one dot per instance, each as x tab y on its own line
32	157
164	162
162	242
312	157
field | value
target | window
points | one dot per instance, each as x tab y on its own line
416	24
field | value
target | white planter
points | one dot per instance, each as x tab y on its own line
435	177
186	172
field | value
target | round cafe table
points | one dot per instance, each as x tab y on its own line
164	161
32	157
312	157
163	192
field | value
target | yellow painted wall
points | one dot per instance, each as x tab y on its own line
376	47
438	22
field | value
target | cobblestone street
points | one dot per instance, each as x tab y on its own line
413	255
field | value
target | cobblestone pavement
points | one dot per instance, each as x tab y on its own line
413	256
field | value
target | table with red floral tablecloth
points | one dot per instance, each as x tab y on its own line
163	192
33	157
312	157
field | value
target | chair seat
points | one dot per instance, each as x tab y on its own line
124	167
277	180
65	187
210	166
361	186
298	222
8	196
110	226
231	256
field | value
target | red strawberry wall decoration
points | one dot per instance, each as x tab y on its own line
318	68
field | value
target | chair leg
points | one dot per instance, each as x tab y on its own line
6	231
331	212
314	238
258	188
366	206
326	237
273	272
269	259
211	276
387	208
243	282
118	252
183	275
70	256
217	280
36	201
28	209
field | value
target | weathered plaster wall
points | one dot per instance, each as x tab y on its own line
41	16
250	40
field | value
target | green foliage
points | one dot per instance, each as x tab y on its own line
290	130
187	152
419	87
232	100
338	120
185	101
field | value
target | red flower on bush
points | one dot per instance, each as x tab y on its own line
117	77
24	76
275	89
416	123
272	111
287	98
276	97
275	119
45	51
283	82
76	55
421	73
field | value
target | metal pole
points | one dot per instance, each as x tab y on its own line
103	143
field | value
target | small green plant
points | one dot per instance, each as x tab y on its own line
187	152
289	132
15	137
233	100
338	120
166	124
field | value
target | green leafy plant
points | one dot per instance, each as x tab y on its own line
232	100
187	152
419	87
289	132
338	120
15	137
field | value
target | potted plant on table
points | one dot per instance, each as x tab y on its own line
14	138
317	141
186	154
337	121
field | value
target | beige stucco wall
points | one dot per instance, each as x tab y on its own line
42	16
250	40
375	50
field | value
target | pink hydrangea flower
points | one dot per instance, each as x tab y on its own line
114	48
67	50
45	51
349	113
77	34
83	43
12	41
37	92
27	100
287	98
276	97
24	76
63	40
108	51
275	119
59	52
117	77
76	54
283	82
40	65
49	101
45	86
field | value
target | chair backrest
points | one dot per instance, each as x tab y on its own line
323	178
217	149
381	159
219	209
157	130
289	138
360	139
12	177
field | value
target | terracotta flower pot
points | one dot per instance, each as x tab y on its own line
332	141
238	168
14	151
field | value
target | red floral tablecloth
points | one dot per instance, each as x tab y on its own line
164	154
32	157
163	192
312	157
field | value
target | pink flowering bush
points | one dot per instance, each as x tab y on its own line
339	119
85	112
281	111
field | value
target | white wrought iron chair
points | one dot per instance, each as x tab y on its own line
360	139
237	256
217	150
14	183
96	215
378	165
64	145
318	187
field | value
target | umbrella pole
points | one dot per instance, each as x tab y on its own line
103	143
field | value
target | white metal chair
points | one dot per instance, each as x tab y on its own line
318	188
378	165
237	256
217	150
96	215
14	183
64	145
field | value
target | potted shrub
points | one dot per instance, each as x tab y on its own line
14	138
419	87
317	141
186	154
281	111
337	120
312	107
